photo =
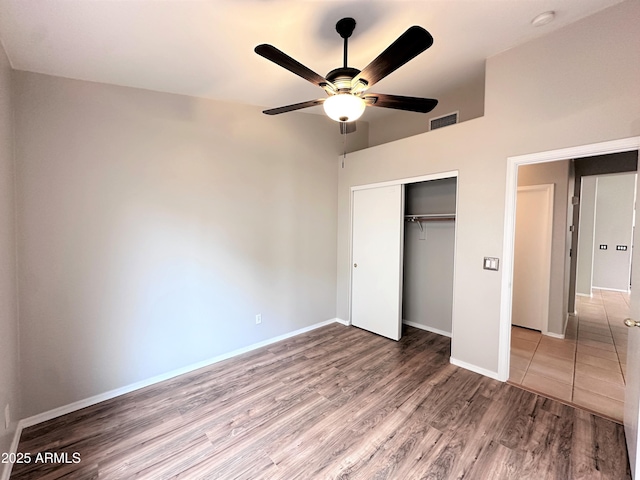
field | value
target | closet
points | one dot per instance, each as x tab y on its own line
402	254
429	241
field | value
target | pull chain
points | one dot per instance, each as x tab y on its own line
344	146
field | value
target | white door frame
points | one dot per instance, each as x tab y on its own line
401	181
549	190
602	148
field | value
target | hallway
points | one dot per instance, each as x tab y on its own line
587	368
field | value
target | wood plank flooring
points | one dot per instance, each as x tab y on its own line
335	403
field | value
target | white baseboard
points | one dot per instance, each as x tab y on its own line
554	335
87	402
428	329
611	289
564	331
6	472
343	322
476	369
588	295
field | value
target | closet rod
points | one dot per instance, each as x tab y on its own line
435	217
430	218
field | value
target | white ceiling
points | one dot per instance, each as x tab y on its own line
205	48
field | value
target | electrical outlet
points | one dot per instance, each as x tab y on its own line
258	319
7	416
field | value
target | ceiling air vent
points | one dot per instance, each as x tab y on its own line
443	121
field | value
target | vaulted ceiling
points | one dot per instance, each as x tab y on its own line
205	48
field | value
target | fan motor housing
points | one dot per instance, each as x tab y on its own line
341	77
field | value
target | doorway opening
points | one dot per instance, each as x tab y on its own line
429	252
571	360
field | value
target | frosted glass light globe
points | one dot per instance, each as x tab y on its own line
344	107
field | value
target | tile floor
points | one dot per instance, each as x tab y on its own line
586	368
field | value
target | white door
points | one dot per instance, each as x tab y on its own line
532	257
377	241
632	377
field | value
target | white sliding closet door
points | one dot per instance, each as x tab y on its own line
377	242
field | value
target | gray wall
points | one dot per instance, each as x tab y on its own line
154	227
543	95
466	99
429	256
9	387
615	195
434	196
584	272
556	173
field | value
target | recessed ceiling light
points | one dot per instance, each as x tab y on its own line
543	19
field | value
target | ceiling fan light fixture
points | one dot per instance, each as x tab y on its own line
344	107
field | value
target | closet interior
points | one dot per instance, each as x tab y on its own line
429	247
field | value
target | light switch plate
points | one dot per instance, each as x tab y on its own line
491	263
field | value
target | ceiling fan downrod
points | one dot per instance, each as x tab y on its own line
345	28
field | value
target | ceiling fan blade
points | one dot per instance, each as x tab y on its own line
411	104
285	61
347	127
408	45
293	107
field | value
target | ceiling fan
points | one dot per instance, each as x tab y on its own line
347	88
